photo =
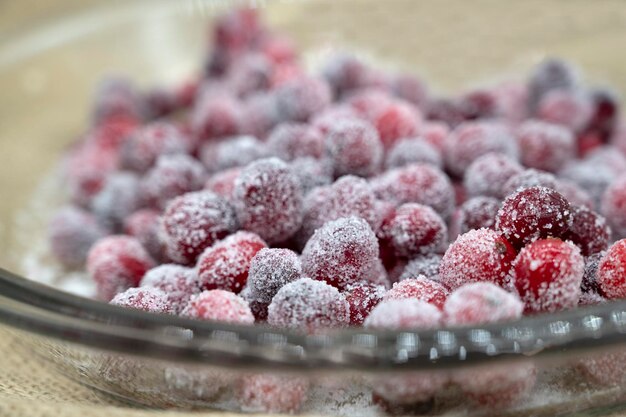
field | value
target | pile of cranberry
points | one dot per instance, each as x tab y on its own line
261	193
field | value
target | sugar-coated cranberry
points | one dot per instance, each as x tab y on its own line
341	252
223	183
115	97
604	114
590	276
475	213
589	231
312	173
344	72
362	298
418	288
270	393
397	120
216	116
86	169
71	233
332	115
427	265
590	299
529	178
225	265
488	174
300	98
258	308
270	270
606	155
478	255
251	73
574	193
231	153
410	88
613	205
611	275
289	141
268	200
551	74
259	114
237	29
548	274
219	305
177	282
369	102
545	146
117	263
605	369
416	183
144	225
435	133
279	49
445	110
145	145
308	305
533	213
472	140
118	198
478	104
354	147
479	303
413	229
413	150
284	74
404	314
172	176
193	222
570	109
159	102
512	97
152	300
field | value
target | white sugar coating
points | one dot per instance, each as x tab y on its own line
529	178
574	193
590	299
479	303
342	252
416	183
215	115
362	298
611	275
548	274
152	300
223	183
475	213
488	174
474	257
605	369
471	140
268	200
289	141
404	314
571	109
179	283
325	120
219	305
413	150
545	146
270	270
190	383
302	97
354	147
71	233
419	288
232	152
193	222
172	176
117	199
426	265
308	305
260	114
312	172
613	206
270	393
592	177
606	155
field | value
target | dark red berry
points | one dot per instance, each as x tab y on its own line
589	231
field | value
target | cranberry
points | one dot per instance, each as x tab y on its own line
341	252
404	313
270	393
570	109
177	282
533	213
427	265
193	222
225	265
512	98
300	98
234	152
551	74
258	308
332	115
252	73
268	200
223	183
270	270
115	98
395	121
548	274
614	205
152	300
344	73
144	225
446	111
435	133
117	263
488	174
475	213
216	116
410	88
478	255
479	104
604	114
312	173
370	102
279	49
590	277
589	231
259	114
479	303
87	168
574	193
289	141
354	147
611	275
545	146
529	178
308	305
418	288
413	150
159	102
219	305
237	29
362	298
118	198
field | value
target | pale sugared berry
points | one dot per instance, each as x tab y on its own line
71	233
427	266
418	288
488	174
614	206
172	176
570	109
593	177
225	265
117	263
144	225
369	102
270	393
479	303
268	200
605	113
529	178
252	73
344	72
548	274
475	213
574	193
411	88
551	74
308	305
289	141
354	147
193	222
177	282
590	277
445	110
397	120
302	97
479	104
332	115
533	213
270	270
234	152
219	305
118	198
478	255
152	300
589	231
435	133
237	29
223	183
312	173
86	170
413	150
216	116
362	298
545	146
611	275
115	97
259	114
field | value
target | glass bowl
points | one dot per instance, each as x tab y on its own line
47	73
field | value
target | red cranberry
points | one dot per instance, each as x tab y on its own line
418	288
269	393
234	152
435	133
475	213
397	120
279	49
87	168
223	183
427	266
219	305
289	141
478	255
548	274
259	114
354	147
118	198
614	205
570	109
117	263
341	252
115	98
301	98
370	102
225	265
152	300
270	270
574	193
604	114
216	116
344	73
589	231
362	298
488	174
268	200
72	231
251	73
410	88
404	313
177	282
611	275
144	225
529	178
329	117
533	213
413	150
551	74
237	29
193	222
308	305
545	146
446	111
312	173
479	104
512	97
479	303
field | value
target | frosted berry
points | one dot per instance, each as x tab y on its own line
418	288
611	275
613	205
223	183
410	88
548	274
427	266
237	29
71	233
445	110
289	141
404	314
268	200
117	263
193	222
172	176
312	173
269	393
362	298
590	276
488	174
475	213
332	115
479	303
413	150
551	74
219	305
479	104
177	282
118	198
152	300
308	305
225	265
435	133
270	270
144	225
589	231
233	152
395	121
354	147
216	116
574	193
259	114
252	73
570	109
300	98
115	97
370	102
529	178
86	169
478	255
545	146
604	114
533	213
344	72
